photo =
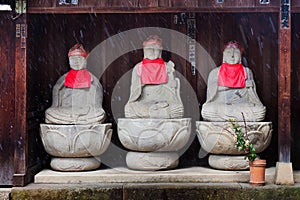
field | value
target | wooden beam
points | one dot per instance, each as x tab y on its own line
284	96
208	9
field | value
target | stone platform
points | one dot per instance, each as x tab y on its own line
121	183
124	175
155	191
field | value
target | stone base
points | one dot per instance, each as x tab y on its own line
75	140
226	162
217	137
149	135
284	174
152	161
75	164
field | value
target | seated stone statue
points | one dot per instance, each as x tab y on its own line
154	91
77	95
231	90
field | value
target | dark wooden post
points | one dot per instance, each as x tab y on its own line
284	171
284	97
7	109
20	137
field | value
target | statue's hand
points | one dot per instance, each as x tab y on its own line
159	110
160	104
170	66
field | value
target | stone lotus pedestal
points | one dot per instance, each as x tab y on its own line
75	147
154	142
216	139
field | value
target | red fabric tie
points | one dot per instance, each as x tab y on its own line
78	79
154	71
232	75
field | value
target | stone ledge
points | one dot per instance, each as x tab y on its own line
145	191
124	175
4	193
67	192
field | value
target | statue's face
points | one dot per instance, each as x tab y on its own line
232	55
77	62
152	52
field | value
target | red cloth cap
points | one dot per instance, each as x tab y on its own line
233	44
152	40
77	50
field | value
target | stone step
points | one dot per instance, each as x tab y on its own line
4	193
125	175
157	191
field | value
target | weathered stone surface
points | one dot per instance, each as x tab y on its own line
4	193
125	175
233	191
152	160
68	192
77	95
217	137
226	162
154	113
75	164
284	174
75	140
74	131
154	134
157	191
227	100
159	100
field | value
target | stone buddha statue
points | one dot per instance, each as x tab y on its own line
154	91
77	95
231	90
154	129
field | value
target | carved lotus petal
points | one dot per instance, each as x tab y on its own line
75	140
217	138
154	134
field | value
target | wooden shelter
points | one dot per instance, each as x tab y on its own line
36	35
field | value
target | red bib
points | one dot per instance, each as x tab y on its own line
78	79
154	71
232	75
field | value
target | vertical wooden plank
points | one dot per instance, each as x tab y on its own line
93	3
264	65
164	3
184	3
7	109
153	3
124	4
40	3
295	92
20	137
284	96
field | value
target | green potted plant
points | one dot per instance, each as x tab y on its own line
244	144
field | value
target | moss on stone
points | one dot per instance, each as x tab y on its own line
66	194
161	192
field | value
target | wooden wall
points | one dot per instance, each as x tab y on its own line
295	91
7	99
47	61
